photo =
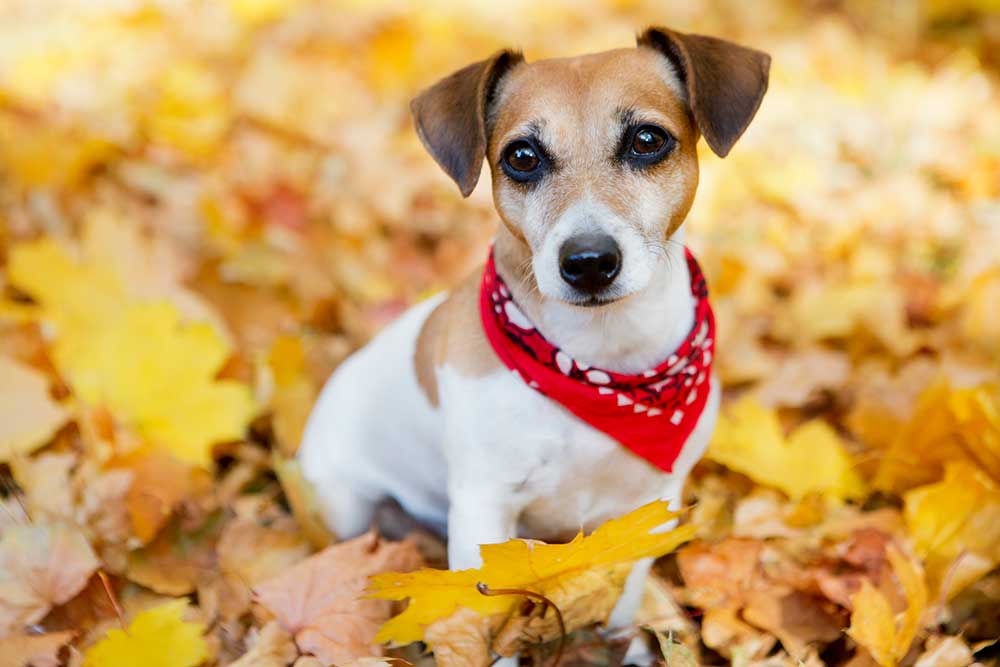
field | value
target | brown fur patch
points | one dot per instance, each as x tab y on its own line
453	336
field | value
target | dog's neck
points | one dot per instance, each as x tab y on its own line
628	336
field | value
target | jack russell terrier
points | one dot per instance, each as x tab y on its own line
570	381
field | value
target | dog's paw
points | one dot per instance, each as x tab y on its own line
512	661
639	653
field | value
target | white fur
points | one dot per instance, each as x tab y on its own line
497	459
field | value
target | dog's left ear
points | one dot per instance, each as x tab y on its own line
725	81
450	117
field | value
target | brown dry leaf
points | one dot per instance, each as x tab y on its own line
724	632
322	599
660	612
33	650
251	552
271	647
797	619
461	640
45	479
41	565
179	557
802	375
159	483
28	415
718	575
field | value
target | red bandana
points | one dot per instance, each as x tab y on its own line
652	413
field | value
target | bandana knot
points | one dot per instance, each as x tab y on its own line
651	413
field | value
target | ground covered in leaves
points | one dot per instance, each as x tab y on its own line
207	205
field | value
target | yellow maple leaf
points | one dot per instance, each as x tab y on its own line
120	341
158	637
159	374
553	570
28	415
749	439
873	624
955	524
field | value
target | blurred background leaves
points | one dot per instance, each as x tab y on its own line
206	206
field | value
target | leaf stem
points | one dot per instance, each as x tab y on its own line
547	603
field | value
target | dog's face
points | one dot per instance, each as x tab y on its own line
593	158
594	166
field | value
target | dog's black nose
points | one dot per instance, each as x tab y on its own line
590	262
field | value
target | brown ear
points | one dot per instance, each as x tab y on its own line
725	82
450	117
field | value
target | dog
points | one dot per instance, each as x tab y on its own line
489	412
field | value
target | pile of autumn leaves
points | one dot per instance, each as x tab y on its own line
192	239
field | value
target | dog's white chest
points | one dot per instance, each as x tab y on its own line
566	476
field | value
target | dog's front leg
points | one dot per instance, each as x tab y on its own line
475	517
622	618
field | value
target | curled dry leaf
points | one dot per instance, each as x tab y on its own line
321	600
41	565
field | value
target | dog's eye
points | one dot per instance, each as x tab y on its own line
521	157
646	145
648	140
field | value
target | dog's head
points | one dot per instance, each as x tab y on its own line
593	158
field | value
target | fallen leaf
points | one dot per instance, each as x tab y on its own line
944	651
179	557
947	425
41	565
749	439
157	637
28	415
159	483
593	567
674	653
271	647
321	599
802	375
302	501
955	524
874	625
294	393
252	553
34	650
181	407
115	335
48	489
460	640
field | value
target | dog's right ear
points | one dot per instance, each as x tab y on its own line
450	117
